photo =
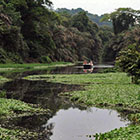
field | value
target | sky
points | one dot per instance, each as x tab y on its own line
96	6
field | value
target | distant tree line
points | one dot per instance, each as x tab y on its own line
93	17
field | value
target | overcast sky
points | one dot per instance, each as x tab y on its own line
96	6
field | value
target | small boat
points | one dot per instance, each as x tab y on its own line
87	65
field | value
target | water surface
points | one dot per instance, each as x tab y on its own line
76	124
67	120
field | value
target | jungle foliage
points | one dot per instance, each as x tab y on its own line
123	19
129	61
31	32
124	46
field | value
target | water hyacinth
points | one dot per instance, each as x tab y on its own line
104	90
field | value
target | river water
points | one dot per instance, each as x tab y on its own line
76	124
67	121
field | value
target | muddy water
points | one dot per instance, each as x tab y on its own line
67	121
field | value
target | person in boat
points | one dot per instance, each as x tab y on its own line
88	65
85	62
91	63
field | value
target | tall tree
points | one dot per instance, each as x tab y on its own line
80	21
123	19
129	61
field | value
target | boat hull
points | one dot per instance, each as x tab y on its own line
87	66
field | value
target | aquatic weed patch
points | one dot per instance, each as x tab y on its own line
9	106
107	78
105	89
101	88
3	79
7	134
11	109
115	90
126	133
109	94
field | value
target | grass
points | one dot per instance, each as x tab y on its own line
9	67
107	90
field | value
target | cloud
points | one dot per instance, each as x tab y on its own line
96	6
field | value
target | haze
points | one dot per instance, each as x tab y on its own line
96	6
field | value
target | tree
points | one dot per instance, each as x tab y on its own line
31	22
9	10
106	34
45	2
65	18
123	19
129	61
80	21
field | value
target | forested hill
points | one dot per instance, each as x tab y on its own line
94	17
31	32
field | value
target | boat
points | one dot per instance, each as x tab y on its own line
87	65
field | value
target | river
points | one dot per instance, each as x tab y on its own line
67	121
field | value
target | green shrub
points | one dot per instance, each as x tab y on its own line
46	59
129	61
2	94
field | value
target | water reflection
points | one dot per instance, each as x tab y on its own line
74	124
39	92
77	69
67	121
88	70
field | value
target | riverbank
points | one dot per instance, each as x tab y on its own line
113	90
32	66
12	109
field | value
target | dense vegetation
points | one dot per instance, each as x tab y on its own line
31	32
124	46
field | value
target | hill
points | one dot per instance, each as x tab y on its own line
30	32
94	17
